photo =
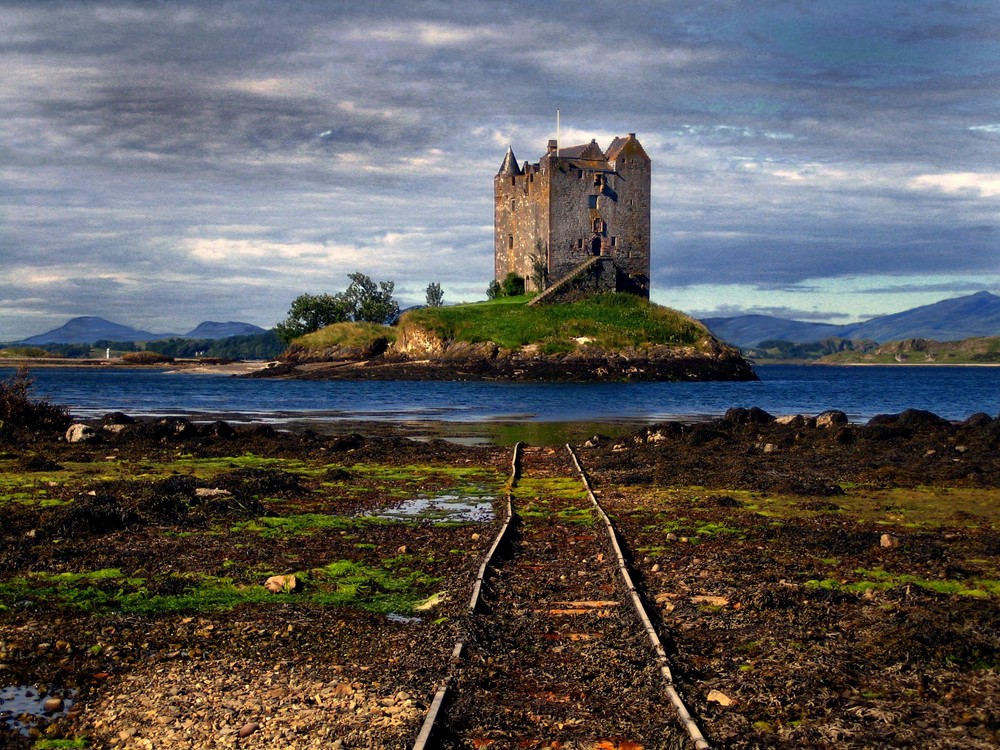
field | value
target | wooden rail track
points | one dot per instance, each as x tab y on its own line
557	650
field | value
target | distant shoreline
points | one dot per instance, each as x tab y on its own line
240	367
906	364
246	367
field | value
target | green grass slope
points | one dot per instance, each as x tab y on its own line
348	336
608	321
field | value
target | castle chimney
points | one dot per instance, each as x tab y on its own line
553	145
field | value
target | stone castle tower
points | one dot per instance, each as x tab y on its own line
576	204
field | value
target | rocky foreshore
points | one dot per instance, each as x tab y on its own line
822	583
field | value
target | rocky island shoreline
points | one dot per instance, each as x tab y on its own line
489	362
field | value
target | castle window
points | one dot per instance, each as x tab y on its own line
510	241
614	242
513	204
513	179
599	226
579	174
592	201
579	244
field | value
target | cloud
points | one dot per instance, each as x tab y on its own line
984	184
779	311
186	149
429	34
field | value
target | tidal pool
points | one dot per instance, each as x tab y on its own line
23	706
449	507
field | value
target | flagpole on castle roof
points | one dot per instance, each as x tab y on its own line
557	132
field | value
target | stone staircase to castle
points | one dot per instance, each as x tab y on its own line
593	276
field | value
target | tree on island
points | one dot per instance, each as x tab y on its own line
310	312
511	286
363	301
435	297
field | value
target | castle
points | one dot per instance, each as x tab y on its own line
579	213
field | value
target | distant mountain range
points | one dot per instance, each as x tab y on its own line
88	329
949	320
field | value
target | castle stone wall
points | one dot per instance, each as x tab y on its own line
521	219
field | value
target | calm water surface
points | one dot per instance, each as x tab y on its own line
952	392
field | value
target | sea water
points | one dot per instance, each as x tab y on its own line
861	392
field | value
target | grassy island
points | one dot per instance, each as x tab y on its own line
609	337
609	321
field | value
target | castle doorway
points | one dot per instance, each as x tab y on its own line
595	245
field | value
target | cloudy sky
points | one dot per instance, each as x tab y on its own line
165	163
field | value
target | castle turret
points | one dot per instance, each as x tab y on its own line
509	166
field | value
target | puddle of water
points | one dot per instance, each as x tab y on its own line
21	707
403	619
442	508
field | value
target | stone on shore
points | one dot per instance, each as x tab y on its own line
81	433
284	584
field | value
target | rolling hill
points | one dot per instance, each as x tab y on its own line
212	330
954	319
88	329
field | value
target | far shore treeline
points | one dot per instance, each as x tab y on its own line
265	345
367	302
363	301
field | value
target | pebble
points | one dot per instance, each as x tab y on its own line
217	703
281	584
717	696
888	541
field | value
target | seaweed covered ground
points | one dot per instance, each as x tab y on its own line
133	571
821	585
